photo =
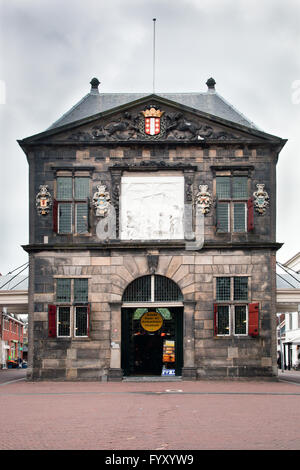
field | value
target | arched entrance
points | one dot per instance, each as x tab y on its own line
152	327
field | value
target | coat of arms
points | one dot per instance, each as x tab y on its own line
152	117
43	200
101	200
203	198
261	199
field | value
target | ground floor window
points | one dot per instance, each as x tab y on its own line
69	317
233	314
231	319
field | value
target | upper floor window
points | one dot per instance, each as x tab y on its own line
234	208
71	207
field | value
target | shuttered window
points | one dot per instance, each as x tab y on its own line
71	312
73	216
232	197
233	315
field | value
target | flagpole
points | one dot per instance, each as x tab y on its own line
154	20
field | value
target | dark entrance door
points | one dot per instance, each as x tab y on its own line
144	351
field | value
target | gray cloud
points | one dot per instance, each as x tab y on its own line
50	49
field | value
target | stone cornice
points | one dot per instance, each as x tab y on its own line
160	245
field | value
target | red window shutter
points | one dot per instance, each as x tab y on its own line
215	319
55	216
52	321
253	319
250	215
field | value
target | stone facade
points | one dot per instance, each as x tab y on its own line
110	265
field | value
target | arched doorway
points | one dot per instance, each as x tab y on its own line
152	327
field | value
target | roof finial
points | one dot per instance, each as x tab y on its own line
211	84
94	85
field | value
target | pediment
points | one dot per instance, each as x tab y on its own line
152	119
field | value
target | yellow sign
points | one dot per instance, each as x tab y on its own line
152	321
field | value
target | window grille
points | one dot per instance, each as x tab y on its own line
80	290
166	290
240	320
223	216
239	217
72	215
152	289
65	218
81	321
240	288
223	320
64	188
240	187
63	290
63	321
139	290
223	187
223	288
81	188
81	218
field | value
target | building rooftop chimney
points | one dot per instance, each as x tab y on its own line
211	85
94	85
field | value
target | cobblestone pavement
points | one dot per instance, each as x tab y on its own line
152	415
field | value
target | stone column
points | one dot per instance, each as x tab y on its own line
115	373
189	368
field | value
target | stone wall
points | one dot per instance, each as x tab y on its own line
110	272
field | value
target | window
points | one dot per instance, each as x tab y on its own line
69	317
233	315
152	288
234	208
71	207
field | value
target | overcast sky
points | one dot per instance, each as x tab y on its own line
50	50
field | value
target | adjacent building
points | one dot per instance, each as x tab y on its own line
152	240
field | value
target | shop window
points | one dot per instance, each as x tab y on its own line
69	317
234	210
233	314
71	206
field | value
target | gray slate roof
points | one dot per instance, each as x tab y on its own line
209	102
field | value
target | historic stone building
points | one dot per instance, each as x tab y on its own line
152	240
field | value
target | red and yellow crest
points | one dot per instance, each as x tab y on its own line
152	120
